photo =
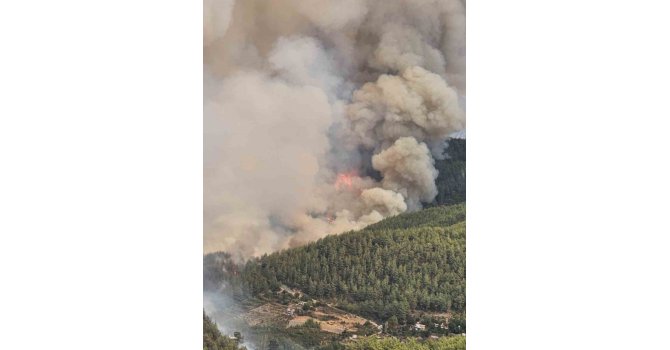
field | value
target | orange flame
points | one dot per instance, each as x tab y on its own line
345	180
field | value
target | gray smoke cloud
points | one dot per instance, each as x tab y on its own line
324	116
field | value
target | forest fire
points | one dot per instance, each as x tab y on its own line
345	180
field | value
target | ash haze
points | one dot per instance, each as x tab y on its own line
324	116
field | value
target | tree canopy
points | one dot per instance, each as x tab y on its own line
414	261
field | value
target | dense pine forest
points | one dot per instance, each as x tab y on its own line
411	262
430	217
451	179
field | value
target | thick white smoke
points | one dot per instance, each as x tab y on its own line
408	169
324	116
417	104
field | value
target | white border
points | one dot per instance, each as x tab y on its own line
101	179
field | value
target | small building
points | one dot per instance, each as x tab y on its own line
419	327
290	311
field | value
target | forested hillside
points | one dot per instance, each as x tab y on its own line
451	179
412	262
431	217
218	267
402	270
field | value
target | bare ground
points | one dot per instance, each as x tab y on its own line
330	319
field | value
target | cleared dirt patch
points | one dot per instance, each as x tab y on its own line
337	321
299	321
330	319
270	313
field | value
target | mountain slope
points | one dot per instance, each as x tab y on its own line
404	269
411	262
431	217
451	179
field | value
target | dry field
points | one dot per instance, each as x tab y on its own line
267	314
330	319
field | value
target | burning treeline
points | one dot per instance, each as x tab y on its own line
323	116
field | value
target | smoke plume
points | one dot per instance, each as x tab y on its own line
324	116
